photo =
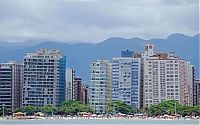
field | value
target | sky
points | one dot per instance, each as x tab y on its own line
96	20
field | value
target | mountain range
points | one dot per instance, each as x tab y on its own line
79	55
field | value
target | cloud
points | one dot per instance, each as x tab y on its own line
95	20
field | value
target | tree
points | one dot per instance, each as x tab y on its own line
48	109
5	111
73	107
167	107
29	110
170	107
196	110
118	107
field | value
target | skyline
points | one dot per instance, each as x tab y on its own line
130	78
99	61
95	20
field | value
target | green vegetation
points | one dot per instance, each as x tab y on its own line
5	110
29	110
114	107
66	108
49	109
73	108
171	107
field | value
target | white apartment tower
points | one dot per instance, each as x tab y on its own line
100	85
44	78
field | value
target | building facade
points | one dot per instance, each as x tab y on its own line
100	85
85	94
78	89
127	53
197	82
126	80
165	77
190	82
11	80
70	84
44	78
75	88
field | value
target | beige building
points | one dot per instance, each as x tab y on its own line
165	77
85	94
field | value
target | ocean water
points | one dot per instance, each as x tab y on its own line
98	122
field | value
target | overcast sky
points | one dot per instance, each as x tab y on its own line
96	20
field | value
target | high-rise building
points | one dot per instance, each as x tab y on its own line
11	80
197	82
190	82
70	84
165	77
100	85
126	74
44	78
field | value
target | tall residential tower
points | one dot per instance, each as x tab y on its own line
126	74
100	85
44	78
166	77
11	80
70	84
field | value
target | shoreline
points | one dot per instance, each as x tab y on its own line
95	121
94	118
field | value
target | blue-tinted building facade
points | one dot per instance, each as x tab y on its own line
62	78
127	53
126	80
